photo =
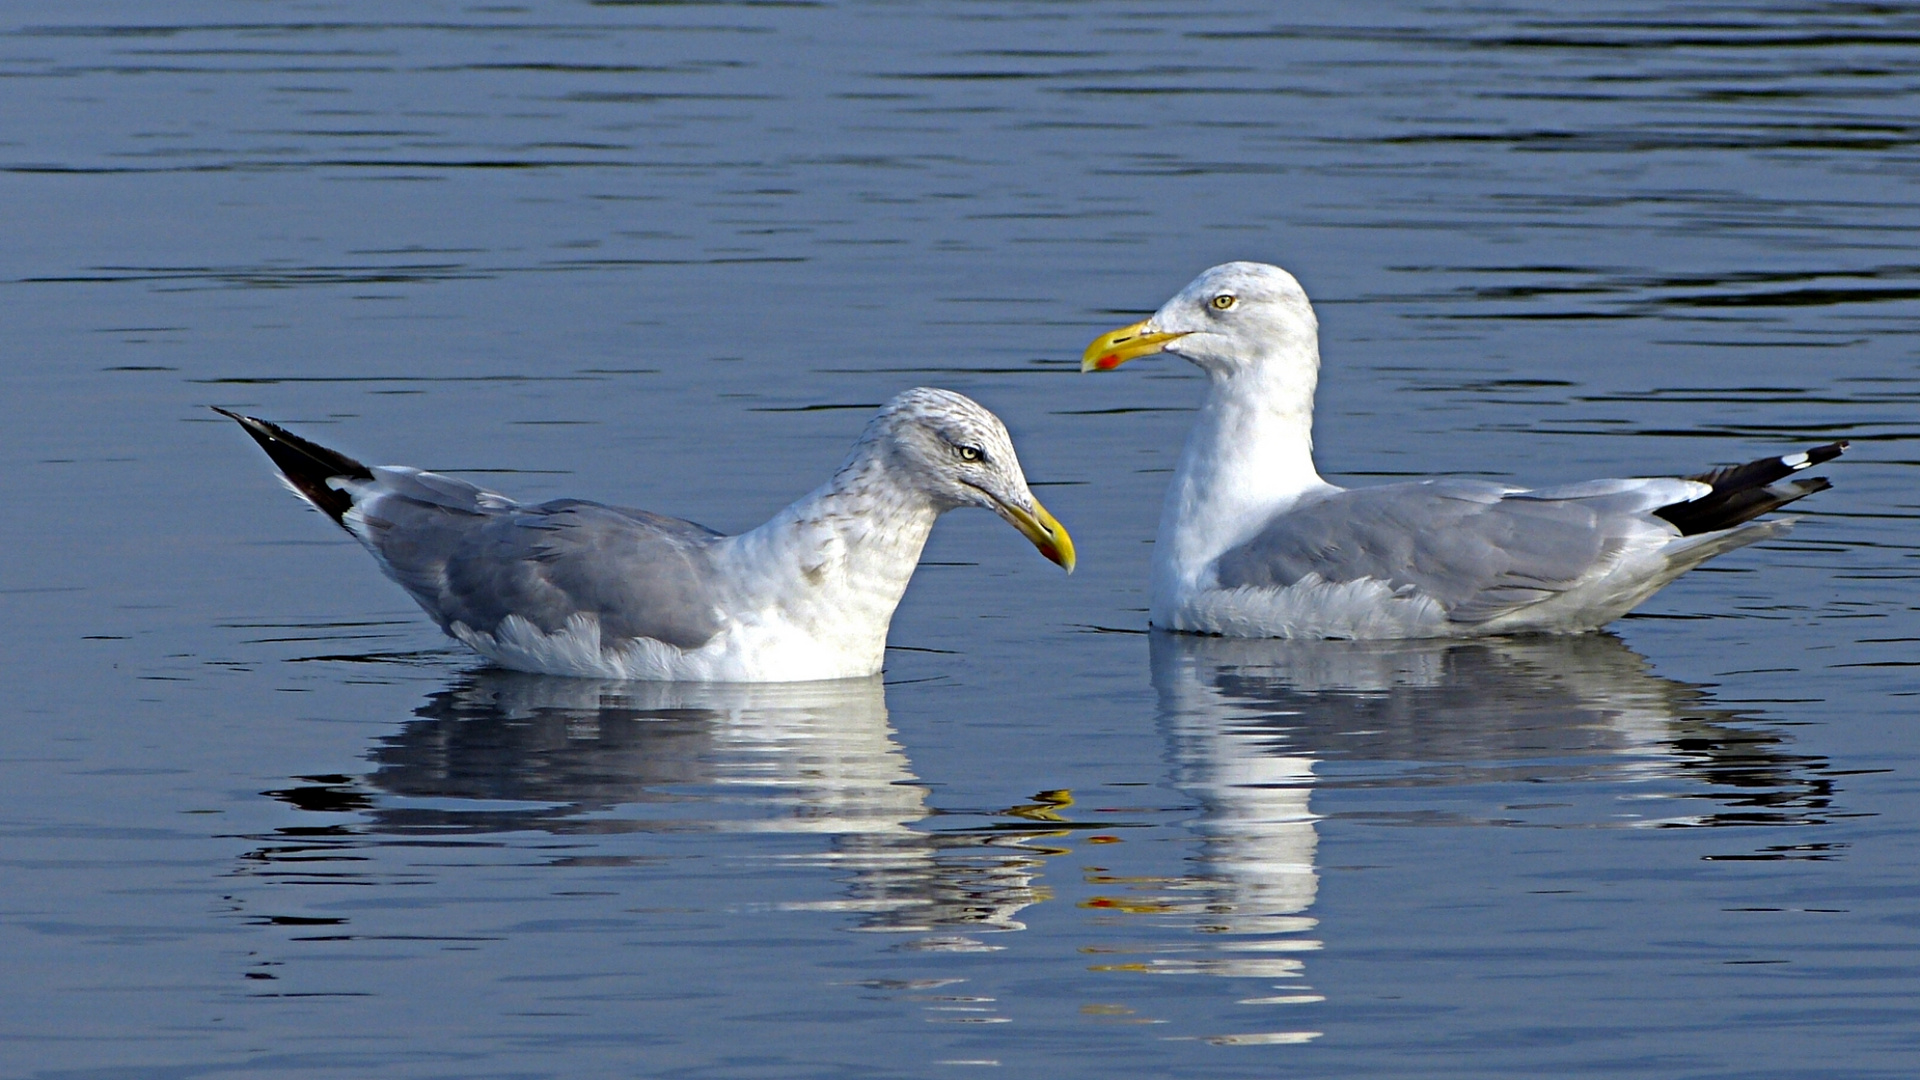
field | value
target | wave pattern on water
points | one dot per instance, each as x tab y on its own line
667	254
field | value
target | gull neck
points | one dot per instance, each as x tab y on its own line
1248	457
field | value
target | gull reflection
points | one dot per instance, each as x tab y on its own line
502	752
1258	730
799	757
1532	709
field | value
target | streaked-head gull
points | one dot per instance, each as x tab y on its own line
576	588
1253	543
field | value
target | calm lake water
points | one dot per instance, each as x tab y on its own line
261	819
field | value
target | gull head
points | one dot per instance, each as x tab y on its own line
1233	318
952	450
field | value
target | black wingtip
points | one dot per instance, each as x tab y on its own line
1744	492
306	465
1820	455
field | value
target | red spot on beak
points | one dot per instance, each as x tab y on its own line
1107	362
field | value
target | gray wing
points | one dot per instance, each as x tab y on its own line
472	556
1480	550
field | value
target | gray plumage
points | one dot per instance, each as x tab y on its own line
473	557
470	556
1482	550
1476	548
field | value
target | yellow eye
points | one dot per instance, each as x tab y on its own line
969	453
1224	301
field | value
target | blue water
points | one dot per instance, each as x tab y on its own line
261	819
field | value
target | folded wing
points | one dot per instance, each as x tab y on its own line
1479	550
474	557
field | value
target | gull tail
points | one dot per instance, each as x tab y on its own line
1744	492
305	466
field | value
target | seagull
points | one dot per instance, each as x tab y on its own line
1253	543
578	588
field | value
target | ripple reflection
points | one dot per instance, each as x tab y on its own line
498	753
1521	710
1256	728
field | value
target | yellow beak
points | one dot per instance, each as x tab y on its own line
1040	527
1112	349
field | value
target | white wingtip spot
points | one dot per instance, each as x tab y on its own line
355	520
1795	461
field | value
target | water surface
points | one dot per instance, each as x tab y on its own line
260	818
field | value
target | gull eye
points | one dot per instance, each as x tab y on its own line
969	454
1224	301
